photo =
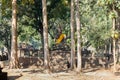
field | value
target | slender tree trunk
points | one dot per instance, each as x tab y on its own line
45	34
42	40
114	41
77	16
118	26
114	47
14	56
72	36
1	13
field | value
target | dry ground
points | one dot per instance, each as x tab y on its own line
58	60
36	74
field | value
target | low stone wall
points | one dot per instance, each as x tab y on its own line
58	61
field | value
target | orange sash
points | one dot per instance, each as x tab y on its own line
61	37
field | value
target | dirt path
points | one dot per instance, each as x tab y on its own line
30	74
103	75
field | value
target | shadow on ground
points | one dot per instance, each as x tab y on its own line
13	77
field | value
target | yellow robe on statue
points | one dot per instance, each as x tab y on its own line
61	37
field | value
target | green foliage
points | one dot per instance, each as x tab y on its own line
55	24
5	17
106	2
30	15
96	25
118	4
113	14
112	6
5	37
58	9
6	6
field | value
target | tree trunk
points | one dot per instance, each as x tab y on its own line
114	41
14	56
118	27
72	36
45	34
114	47
77	16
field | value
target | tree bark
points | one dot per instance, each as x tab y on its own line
14	56
77	16
72	36
114	47
114	40
45	34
